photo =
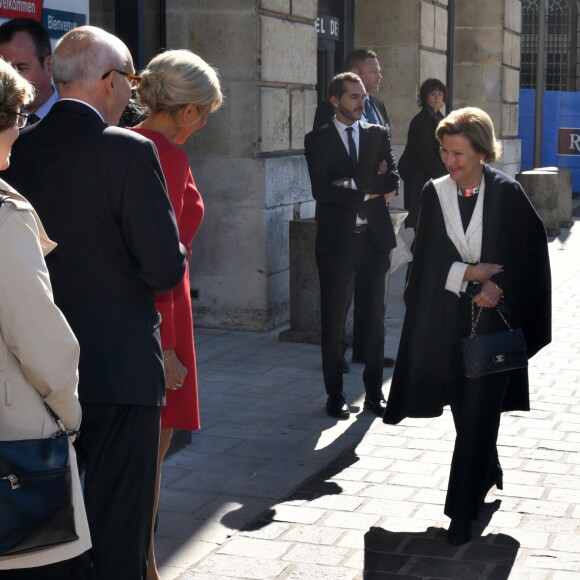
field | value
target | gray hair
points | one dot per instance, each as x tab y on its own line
176	78
86	53
15	93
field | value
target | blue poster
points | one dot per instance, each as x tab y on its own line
561	131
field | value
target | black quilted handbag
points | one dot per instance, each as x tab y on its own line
495	352
36	509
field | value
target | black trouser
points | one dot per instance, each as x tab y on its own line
369	267
476	407
118	448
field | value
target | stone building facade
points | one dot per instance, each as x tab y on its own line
248	162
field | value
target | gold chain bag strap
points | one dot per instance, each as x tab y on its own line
494	352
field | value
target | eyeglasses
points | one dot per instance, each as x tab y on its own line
134	80
436	94
21	119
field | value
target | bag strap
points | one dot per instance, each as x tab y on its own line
475	319
62	430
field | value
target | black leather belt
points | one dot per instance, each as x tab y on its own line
361	228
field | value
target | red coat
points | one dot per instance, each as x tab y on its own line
182	407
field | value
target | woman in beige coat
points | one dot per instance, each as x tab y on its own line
38	351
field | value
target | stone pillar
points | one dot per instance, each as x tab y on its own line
305	285
247	161
486	68
542	187
410	39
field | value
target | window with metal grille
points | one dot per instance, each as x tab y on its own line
559	44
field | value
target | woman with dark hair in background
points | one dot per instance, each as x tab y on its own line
421	161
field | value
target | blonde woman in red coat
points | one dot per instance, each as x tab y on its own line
180	90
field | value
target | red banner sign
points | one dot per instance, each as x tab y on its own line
568	141
21	9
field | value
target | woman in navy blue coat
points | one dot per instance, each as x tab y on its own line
478	240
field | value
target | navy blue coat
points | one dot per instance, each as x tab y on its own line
436	320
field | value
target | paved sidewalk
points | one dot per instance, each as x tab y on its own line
272	488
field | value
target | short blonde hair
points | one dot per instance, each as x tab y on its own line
176	78
15	93
475	125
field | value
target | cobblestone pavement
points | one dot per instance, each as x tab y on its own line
272	488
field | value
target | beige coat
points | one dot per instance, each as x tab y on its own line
38	356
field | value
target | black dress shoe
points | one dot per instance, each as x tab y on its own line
345	367
459	532
377	406
387	362
337	407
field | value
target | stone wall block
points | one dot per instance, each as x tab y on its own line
275	120
287	181
432	65
511	49
310	104
297	119
277	220
229	269
387	23
232	129
489	14
280	6
513	15
509	120
479	46
427	25
235	53
305	8
476	85
440	28
287	51
510	85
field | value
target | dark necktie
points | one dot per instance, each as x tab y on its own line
370	113
352	149
32	119
354	161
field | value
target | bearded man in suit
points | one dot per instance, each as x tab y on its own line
364	63
354	176
101	195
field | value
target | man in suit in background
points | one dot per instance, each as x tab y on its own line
353	175
364	63
101	195
25	43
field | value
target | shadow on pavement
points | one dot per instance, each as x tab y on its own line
413	555
317	485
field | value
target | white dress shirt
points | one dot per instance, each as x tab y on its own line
468	243
342	131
